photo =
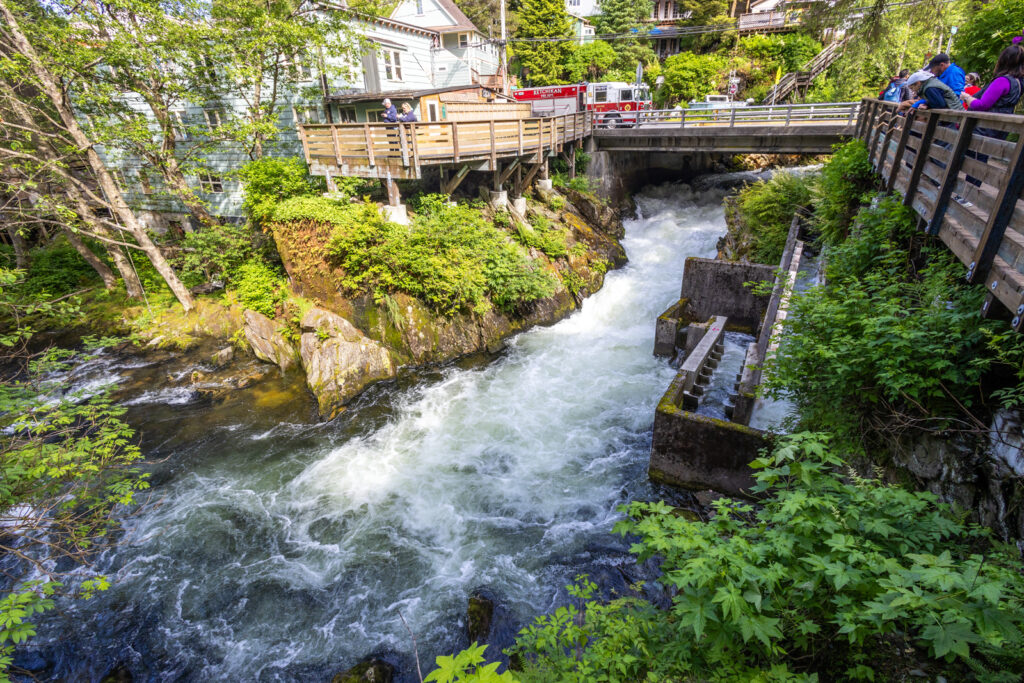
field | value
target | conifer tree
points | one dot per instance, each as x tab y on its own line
625	17
542	63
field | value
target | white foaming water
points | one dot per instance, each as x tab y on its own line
289	554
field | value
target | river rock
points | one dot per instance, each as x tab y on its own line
479	614
340	361
223	357
267	343
597	213
376	670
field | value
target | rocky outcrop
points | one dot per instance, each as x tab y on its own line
339	360
367	671
596	212
267	343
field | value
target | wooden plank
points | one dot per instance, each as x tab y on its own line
915	174
369	143
1000	217
901	149
949	179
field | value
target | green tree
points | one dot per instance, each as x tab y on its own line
625	18
590	61
989	30
689	76
542	63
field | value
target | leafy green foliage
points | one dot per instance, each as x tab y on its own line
622	18
542	63
790	50
450	257
882	338
689	76
840	191
259	287
767	209
540	234
218	251
270	181
468	667
57	270
66	464
991	28
830	571
590	61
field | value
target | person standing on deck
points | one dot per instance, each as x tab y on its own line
390	113
948	72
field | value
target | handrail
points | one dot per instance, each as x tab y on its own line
783	115
959	173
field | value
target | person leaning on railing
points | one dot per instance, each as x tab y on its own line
929	93
1000	96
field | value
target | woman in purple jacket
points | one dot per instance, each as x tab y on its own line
1003	93
1000	96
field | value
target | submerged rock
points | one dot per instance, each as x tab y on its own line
267	343
339	360
479	614
223	357
376	670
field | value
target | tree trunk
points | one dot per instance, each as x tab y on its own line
101	268
132	283
21	257
175	180
49	85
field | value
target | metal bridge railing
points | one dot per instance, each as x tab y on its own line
783	115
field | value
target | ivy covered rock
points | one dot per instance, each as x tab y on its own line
340	361
267	342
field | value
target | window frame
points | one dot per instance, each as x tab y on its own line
419	8
460	38
219	114
147	187
178	125
210	183
392	65
347	115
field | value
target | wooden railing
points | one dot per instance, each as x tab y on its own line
927	157
400	149
783	115
807	73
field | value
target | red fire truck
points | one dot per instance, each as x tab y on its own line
617	103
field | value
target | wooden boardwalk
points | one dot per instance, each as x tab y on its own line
927	157
402	150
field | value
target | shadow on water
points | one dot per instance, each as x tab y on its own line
278	547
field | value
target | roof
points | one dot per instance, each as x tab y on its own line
398	94
462	22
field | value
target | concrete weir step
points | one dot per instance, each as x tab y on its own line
699	366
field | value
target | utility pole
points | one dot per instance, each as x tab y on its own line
504	53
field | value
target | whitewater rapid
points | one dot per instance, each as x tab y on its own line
291	550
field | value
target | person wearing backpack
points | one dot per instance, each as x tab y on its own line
896	91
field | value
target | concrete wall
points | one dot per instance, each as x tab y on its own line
617	175
699	452
716	288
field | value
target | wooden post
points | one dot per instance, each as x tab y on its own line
415	148
887	140
337	148
1006	202
403	143
394	199
455	139
520	122
369	143
956	160
878	137
922	157
494	153
901	148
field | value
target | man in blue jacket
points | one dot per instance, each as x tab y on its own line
947	72
390	113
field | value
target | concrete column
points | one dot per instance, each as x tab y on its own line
519	205
396	214
544	184
497	199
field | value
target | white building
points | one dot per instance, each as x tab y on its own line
583	8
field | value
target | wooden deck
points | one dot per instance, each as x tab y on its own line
401	150
927	156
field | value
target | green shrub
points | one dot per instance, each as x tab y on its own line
56	270
451	258
556	203
832	570
841	188
541	235
883	337
217	251
259	287
271	180
767	209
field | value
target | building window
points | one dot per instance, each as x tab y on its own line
419	7
299	69
463	40
347	114
432	112
178	120
392	65
210	183
214	119
307	114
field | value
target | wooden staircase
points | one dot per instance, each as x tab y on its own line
807	73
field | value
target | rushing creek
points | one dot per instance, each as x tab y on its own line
276	547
